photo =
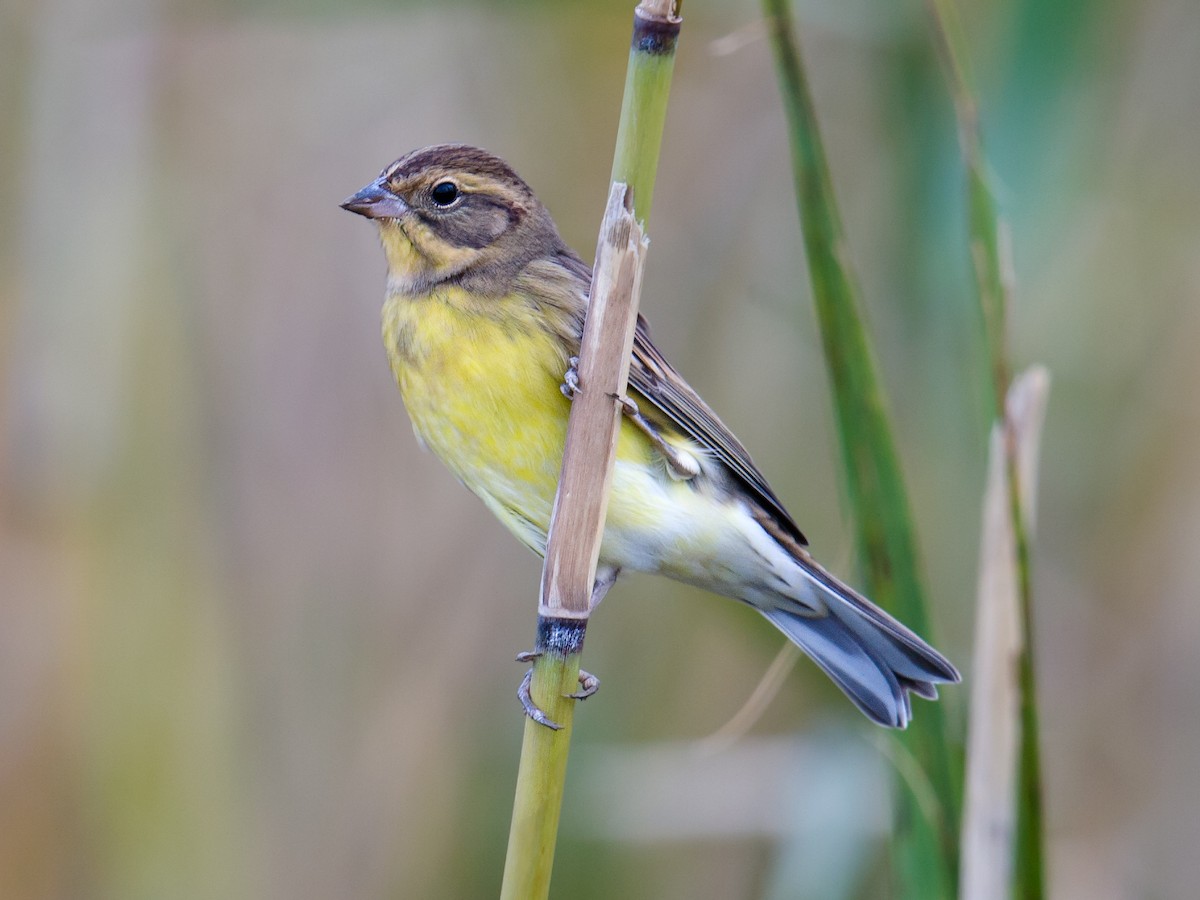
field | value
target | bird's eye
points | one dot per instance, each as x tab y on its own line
444	193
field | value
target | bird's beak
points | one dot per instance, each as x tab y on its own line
376	202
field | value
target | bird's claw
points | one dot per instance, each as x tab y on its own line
588	685
570	385
532	709
628	406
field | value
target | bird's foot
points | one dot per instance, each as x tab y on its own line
588	685
570	385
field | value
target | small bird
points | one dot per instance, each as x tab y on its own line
482	325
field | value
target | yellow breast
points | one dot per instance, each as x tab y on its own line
480	380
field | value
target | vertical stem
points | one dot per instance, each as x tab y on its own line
573	546
644	107
996	719
543	771
994	284
926	847
1029	869
577	521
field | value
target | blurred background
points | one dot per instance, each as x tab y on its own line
255	644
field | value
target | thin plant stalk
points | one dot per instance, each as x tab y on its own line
925	851
540	778
993	731
577	521
644	103
990	258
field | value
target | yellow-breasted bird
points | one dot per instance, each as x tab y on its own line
482	321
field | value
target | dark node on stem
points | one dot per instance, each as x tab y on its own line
561	637
654	36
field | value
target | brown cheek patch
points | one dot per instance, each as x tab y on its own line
475	224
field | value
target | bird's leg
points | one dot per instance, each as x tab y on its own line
606	577
682	465
570	384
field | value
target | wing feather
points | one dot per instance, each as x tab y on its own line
656	379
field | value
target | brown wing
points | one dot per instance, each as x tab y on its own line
654	378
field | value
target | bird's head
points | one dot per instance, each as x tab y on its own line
451	212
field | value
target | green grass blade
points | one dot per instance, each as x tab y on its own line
983	219
926	847
990	260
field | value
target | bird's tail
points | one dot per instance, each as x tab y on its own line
869	655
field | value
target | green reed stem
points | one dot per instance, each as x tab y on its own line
544	752
926	848
644	106
543	770
994	287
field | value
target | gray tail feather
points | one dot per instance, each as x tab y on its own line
874	659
